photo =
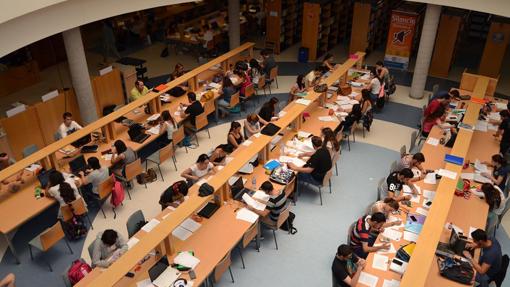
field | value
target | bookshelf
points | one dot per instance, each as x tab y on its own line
283	23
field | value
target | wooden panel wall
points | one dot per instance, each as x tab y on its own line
495	48
310	33
273	18
18	78
23	130
445	45
468	83
360	27
107	90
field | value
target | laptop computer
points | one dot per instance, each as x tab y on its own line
238	190
455	246
82	141
43	177
89	148
208	210
162	275
78	164
136	134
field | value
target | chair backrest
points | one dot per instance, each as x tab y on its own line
133	169
393	166
28	150
76	207
105	188
327	177
132	222
414	135
51	236
273	73
165	153
381	189
234	100
209	107
250	234
91	248
349	232
283	217
57	136
178	135
403	150
201	121
222	267
249	91
262	82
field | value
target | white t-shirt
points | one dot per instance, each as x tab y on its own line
499	210
55	193
208	36
200	173
169	129
309	78
376	86
65	130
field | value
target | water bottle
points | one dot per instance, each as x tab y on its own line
254	182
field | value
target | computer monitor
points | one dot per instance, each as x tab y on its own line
78	164
82	141
237	187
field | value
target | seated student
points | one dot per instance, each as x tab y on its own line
235	137
499	171
138	91
121	156
395	183
437	118
313	77
207	37
413	161
201	168
68	126
453	93
255	71
276	204
268	62
364	234
441	101
268	110
490	260
374	86
382	72
347	266
251	125
6	161
193	109
228	90
168	126
351	118
182	87
96	175
298	87
218	155
244	81
327	63
494	197
63	190
8	281
504	132
366	102
387	207
174	195
316	167
108	247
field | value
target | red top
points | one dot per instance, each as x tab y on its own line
432	107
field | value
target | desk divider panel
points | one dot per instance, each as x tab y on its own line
108	90
468	83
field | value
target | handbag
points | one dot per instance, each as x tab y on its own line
456	270
321	88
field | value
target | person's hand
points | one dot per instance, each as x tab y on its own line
301	155
361	263
471	245
385	246
291	165
395	223
467	255
407	197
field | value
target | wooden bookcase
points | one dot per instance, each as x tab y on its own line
325	25
283	23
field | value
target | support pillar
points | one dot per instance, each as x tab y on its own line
427	41
234	24
80	74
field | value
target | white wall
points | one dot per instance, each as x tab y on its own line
496	7
36	23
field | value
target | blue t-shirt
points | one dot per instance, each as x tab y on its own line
492	256
502	171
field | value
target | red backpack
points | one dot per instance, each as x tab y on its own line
78	270
117	192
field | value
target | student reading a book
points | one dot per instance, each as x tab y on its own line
297	87
499	171
108	247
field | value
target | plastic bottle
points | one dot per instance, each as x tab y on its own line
254	182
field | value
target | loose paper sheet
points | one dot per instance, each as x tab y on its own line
368	279
132	242
247	215
430	178
181	233
380	262
409	236
392	234
253	203
447	173
150	225
186	259
432	141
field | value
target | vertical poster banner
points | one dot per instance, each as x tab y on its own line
400	39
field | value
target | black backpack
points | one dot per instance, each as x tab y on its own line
75	228
456	270
391	88
289	224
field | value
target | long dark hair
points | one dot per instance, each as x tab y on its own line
66	192
300	82
373	71
234	125
329	136
55	178
491	195
166	116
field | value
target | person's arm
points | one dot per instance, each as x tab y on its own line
495	180
262	121
117	158
354	280
8	281
121	244
62	131
188	174
96	256
232	141
306	154
250	129
368	249
300	169
480	268
77	125
408	182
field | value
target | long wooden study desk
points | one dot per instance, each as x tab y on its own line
160	237
422	269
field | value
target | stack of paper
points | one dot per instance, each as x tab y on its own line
432	141
430	178
368	279
392	234
303	102
480	167
154	130
247	215
447	173
380	262
328	119
186	259
261	196
253	203
132	242
181	233
150	225
294	160
481	126
494	116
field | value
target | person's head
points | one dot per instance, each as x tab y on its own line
328	58
356	110
405	174
272	103
235	127
227	82
480	237
139	85
418	158
377	220
491	195
254	64
68	118
192	97
300	81
252	119
66	192
344	252
167	117
267	187
365	95
444	98
265	53
317	70
438	113
379	65
109	237
505	114
316	142
498	160
226	148
93	162
454	93
329	136
179	68
120	146
55	177
391	205
202	161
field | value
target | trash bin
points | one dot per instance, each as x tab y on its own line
303	55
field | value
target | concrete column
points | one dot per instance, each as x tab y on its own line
234	25
427	41
80	74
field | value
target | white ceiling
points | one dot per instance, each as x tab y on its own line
496	7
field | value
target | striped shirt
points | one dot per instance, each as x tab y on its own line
276	205
360	232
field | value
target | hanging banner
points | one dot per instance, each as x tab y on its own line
400	39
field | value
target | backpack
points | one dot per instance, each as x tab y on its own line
117	192
367	119
289	224
75	228
147	177
77	271
391	88
456	270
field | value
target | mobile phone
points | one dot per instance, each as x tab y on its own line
429	203
398	262
413	218
192	275
130	274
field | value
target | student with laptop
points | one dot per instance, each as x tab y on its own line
96	175
193	109
68	126
235	138
198	170
365	232
490	260
108	247
347	266
121	155
138	91
395	183
168	126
